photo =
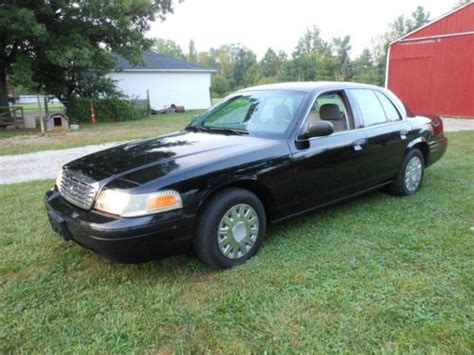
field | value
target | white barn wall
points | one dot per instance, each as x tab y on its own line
188	89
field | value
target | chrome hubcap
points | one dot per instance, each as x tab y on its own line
413	173
238	231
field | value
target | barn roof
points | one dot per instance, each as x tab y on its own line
158	62
456	22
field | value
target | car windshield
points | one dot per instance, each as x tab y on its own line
260	112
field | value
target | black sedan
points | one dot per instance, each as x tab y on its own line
261	156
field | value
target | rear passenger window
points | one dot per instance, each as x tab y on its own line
370	106
390	110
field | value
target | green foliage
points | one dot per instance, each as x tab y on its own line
341	49
313	58
270	66
460	3
63	41
192	54
398	28
109	109
21	76
243	60
364	69
234	63
168	47
220	85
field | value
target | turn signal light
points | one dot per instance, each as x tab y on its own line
162	201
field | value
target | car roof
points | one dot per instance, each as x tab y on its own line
310	86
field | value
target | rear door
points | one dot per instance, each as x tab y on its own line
386	132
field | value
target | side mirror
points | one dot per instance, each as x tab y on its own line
194	118
318	129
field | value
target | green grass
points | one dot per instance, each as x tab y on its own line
376	274
20	141
34	106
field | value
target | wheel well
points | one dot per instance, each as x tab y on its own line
253	186
424	149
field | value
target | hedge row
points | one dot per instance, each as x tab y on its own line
106	110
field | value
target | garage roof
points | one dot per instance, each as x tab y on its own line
158	62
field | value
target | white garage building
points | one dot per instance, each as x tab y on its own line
168	80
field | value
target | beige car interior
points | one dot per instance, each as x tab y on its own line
327	108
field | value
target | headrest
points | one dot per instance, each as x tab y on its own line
282	112
330	112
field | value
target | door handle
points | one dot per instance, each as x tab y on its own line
403	134
359	144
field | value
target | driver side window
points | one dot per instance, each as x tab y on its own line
331	107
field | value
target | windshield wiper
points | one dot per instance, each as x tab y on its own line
195	128
238	131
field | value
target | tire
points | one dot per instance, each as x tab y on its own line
408	180
223	242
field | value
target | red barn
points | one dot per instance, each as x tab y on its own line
432	68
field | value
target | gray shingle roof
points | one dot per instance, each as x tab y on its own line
155	61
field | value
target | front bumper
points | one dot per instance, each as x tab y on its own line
125	240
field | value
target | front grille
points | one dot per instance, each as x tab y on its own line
78	189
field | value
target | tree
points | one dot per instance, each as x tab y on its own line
312	58
310	43
192	54
419	18
460	3
20	78
401	26
205	58
224	59
234	62
220	85
63	42
244	59
168	47
270	64
342	47
364	68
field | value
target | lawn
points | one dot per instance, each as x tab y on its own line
34	106
376	274
19	141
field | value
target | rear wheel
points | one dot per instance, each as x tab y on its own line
408	180
230	229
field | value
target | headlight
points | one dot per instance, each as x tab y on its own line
125	204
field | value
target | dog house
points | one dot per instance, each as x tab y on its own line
56	120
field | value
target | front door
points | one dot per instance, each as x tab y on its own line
331	167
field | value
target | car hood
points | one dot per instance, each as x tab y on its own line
142	161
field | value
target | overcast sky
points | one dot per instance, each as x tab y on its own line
279	24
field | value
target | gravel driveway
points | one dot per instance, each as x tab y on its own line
458	124
41	165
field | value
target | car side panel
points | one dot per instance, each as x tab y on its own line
269	170
386	146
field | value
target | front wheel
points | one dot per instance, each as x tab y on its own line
408	180
230	229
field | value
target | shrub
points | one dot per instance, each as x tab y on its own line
109	109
